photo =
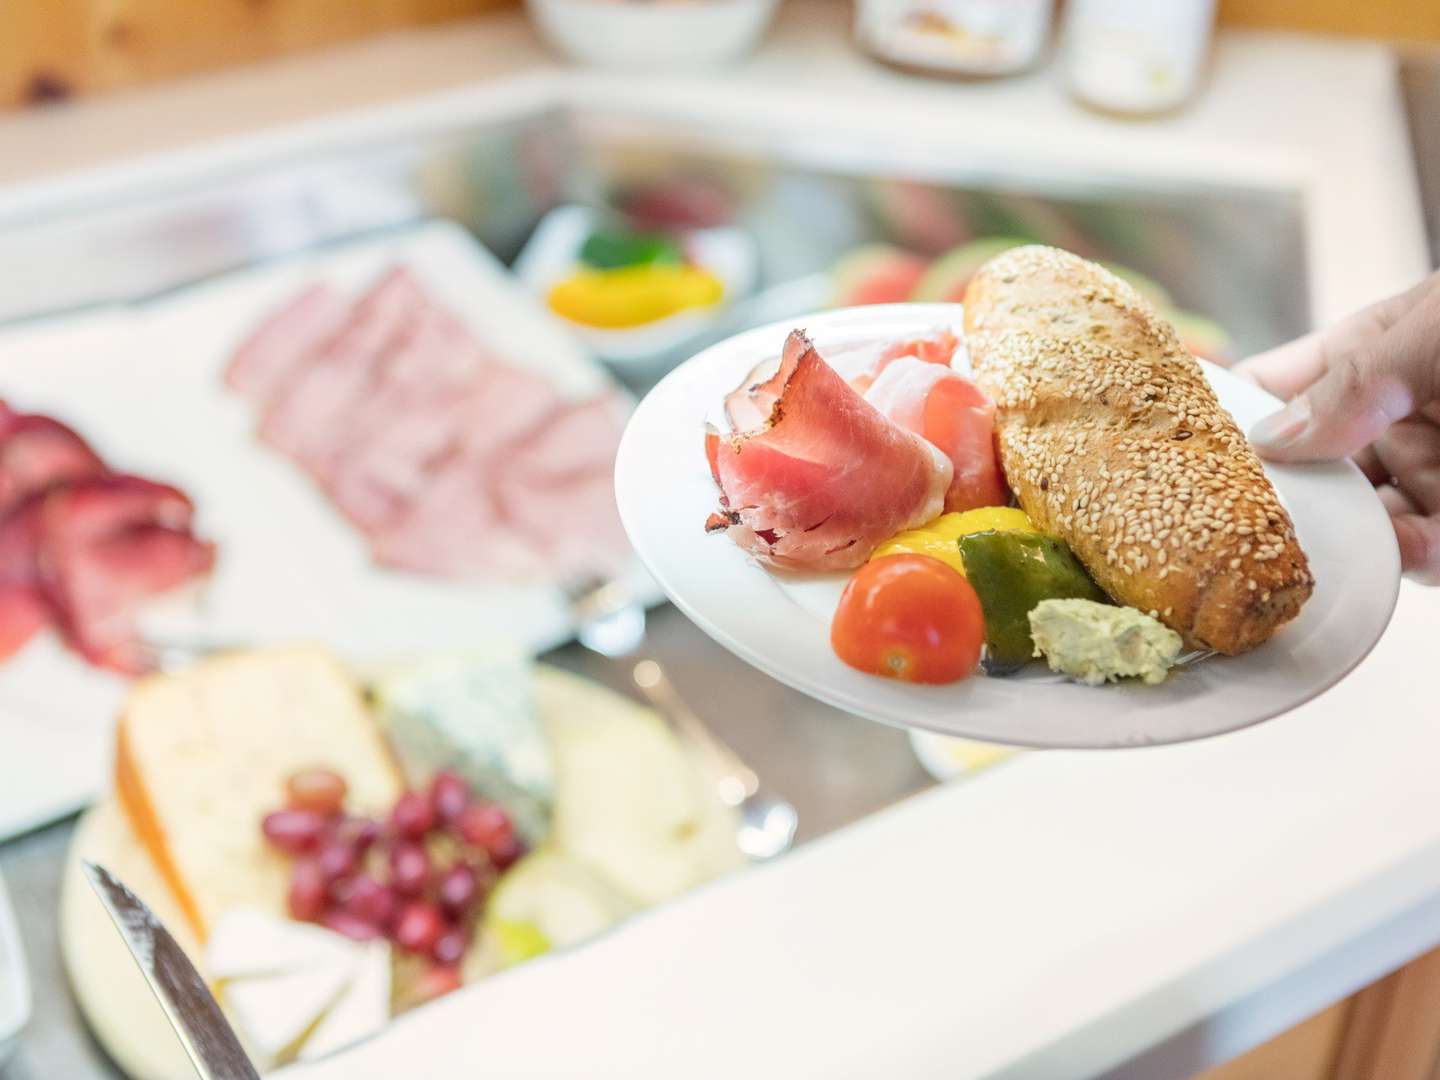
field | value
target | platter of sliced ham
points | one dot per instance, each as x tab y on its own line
387	446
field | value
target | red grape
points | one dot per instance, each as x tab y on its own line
293	830
506	851
449	795
320	790
307	890
365	898
449	947
485	824
336	860
358	832
352	926
412	816
418	926
458	889
409	869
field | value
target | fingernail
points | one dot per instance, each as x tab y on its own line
1284	427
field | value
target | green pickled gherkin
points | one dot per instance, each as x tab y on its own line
1011	573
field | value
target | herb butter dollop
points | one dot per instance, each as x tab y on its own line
1095	643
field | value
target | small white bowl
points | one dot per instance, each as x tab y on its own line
553	253
652	34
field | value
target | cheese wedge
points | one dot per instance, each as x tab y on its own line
201	756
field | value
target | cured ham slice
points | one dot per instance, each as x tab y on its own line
86	554
100	585
263	360
24	612
451	462
952	414
37	453
937	349
308	412
825	477
392	468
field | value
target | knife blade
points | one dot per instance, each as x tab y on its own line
214	1049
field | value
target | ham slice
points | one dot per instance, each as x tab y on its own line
308	411
825	477
85	554
266	357
37	453
951	413
450	462
101	584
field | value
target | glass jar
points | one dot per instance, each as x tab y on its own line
1136	56
954	37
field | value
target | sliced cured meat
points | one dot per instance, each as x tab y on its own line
36	453
826	477
952	414
24	612
937	349
283	340
409	411
392	468
85	549
24	608
451	463
558	487
446	530
100	585
308	412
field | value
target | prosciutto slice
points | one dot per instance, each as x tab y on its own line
263	360
86	554
37	453
951	413
825	476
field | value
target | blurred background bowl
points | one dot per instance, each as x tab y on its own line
652	34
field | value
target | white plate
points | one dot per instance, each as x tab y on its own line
144	386
780	623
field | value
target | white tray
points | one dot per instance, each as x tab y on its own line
144	386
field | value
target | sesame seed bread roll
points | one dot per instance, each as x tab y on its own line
1112	440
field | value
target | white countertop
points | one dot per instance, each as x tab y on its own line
1067	911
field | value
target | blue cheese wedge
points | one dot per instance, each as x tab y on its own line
1097	643
474	713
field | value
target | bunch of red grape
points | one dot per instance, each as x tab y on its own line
418	877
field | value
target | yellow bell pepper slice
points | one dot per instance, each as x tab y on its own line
939	538
629	296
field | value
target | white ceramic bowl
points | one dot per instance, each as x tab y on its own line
652	34
552	253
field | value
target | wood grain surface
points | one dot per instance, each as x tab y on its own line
53	49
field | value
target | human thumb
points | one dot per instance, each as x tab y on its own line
1362	392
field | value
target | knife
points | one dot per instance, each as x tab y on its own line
191	1009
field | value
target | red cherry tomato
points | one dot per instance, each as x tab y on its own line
909	617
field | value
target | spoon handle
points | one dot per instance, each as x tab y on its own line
735	780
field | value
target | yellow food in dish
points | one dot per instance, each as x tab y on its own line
629	296
938	538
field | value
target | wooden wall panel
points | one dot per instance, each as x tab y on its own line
1412	20
58	48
